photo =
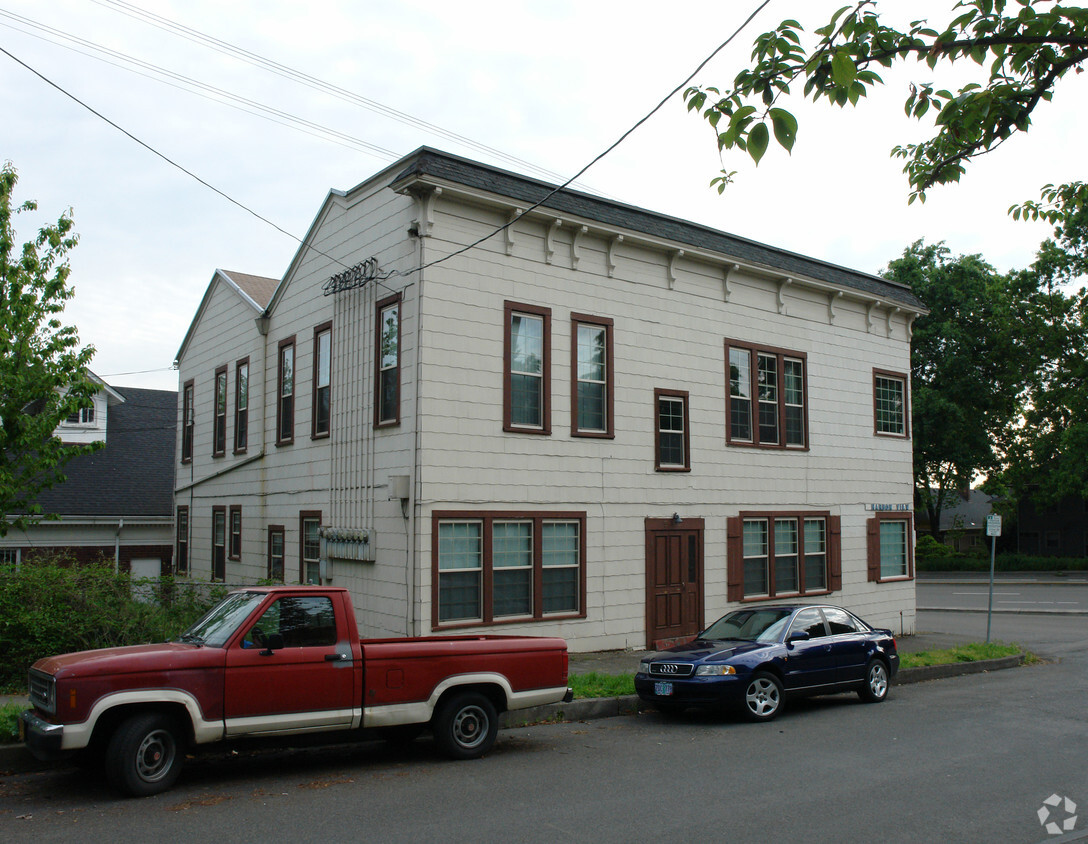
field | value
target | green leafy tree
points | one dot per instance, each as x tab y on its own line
970	363
42	369
1024	50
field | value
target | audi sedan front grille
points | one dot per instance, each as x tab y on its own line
671	669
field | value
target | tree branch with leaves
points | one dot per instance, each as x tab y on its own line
43	376
1025	48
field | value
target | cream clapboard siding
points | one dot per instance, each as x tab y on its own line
453	448
666	338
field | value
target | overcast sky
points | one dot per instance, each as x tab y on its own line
547	85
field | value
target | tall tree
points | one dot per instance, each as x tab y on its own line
969	365
1046	456
1025	49
42	369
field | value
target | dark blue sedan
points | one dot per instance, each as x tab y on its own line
753	658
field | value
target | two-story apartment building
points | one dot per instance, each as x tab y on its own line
577	418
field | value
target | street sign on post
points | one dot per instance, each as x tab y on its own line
993	530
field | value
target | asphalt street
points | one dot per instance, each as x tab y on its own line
966	759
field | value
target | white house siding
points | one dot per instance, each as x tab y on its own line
663	338
454	449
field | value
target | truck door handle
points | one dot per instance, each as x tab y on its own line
336	657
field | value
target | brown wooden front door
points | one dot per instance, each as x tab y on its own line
674	580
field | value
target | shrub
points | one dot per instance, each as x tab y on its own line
53	606
928	548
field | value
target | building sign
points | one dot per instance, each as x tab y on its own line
878	508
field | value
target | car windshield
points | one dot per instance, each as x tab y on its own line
223	619
749	625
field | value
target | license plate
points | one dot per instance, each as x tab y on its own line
662	688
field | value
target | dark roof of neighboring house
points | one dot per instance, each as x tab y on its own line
133	474
432	162
969	513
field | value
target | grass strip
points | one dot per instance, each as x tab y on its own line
971	652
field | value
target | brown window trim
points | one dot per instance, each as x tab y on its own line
487	518
893	376
182	569
610	429
219	422
188	420
241	416
735	554
660	393
234	553
872	536
303	517
780	354
314	433
276	529
284	343
381	305
545	427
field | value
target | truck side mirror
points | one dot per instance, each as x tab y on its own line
272	642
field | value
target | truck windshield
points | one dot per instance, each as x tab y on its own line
223	619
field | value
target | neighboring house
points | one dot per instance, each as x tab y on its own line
1060	530
118	501
599	422
963	521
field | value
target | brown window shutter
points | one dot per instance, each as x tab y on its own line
734	562
872	532
834	554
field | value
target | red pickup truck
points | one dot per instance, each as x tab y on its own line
280	661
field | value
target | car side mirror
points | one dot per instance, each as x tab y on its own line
272	642
797	636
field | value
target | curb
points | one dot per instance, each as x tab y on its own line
16	759
1003	611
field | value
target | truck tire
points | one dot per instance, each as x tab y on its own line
144	755
465	725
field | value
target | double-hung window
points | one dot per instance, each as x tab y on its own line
591	398
235	551
241	406
181	564
527	375
275	552
890	404
310	546
779	553
672	440
890	546
285	392
187	422
387	360
219	543
219	446
491	567
321	420
767	398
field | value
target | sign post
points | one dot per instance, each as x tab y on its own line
993	530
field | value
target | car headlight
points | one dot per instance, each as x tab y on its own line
644	667
714	670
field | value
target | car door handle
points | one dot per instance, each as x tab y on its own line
336	657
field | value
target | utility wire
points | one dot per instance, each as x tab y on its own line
619	141
313	82
170	161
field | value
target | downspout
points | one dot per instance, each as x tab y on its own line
417	416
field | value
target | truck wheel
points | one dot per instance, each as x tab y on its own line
144	755
466	725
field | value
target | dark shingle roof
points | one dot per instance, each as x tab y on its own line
133	475
431	162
